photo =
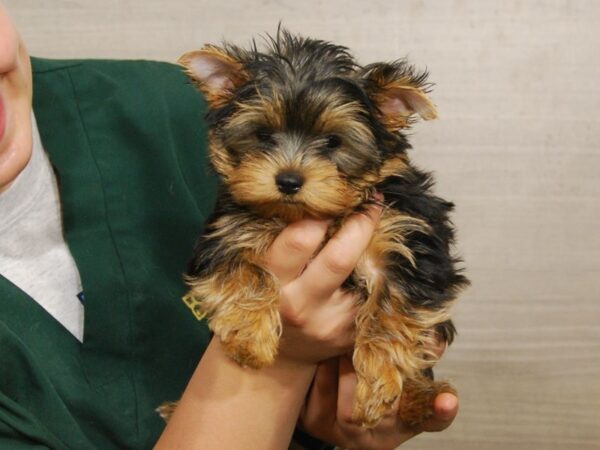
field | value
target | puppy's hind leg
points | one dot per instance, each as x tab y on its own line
391	354
377	359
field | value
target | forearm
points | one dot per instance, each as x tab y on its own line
226	406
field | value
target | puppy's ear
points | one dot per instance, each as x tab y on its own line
216	72
399	92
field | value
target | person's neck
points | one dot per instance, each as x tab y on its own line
23	190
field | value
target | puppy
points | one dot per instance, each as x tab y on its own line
299	130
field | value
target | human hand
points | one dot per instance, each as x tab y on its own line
327	413
318	316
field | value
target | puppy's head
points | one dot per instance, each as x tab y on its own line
300	129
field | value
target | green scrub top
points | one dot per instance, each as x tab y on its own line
128	143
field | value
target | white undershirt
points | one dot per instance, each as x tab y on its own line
33	252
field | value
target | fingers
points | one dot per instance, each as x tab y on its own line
346	388
446	409
293	248
321	403
338	258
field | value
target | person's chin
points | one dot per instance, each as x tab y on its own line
15	146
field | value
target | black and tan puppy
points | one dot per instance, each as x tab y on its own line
301	130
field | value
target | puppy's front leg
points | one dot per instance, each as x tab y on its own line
239	296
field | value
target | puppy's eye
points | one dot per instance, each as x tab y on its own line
264	135
333	141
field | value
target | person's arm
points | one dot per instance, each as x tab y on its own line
226	406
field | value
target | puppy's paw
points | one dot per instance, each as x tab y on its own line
250	338
379	385
417	401
166	410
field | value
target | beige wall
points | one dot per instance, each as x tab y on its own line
516	147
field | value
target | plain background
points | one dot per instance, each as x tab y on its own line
516	148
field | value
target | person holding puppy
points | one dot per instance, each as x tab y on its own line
103	190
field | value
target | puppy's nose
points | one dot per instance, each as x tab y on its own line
289	182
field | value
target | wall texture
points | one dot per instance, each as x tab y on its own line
516	148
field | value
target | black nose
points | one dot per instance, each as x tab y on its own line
289	182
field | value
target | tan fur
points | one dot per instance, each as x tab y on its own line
392	336
393	166
418	396
268	111
324	193
219	157
230	68
342	118
166	410
399	100
242	305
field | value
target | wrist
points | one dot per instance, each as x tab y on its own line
285	376
285	368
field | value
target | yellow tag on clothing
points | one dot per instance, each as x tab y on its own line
194	304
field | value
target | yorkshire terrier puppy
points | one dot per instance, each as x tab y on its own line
301	130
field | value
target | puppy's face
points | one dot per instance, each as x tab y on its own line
301	130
